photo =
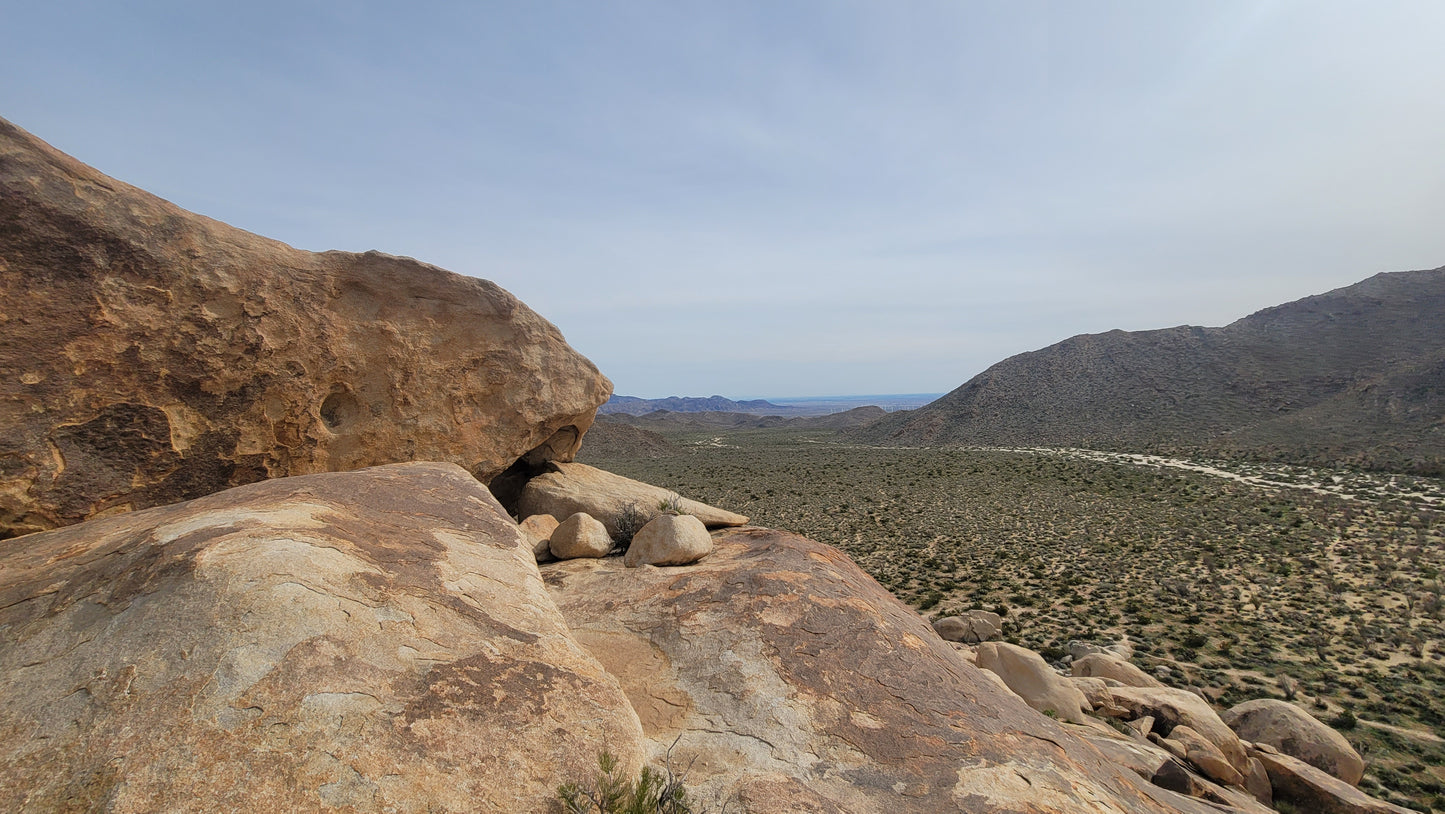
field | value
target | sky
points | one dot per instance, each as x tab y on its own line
783	198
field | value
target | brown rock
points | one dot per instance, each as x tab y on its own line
1096	692
580	536
537	530
1298	734
1032	679
1316	791
150	355
1175	777
338	641
1206	756
1171	708
777	658
568	488
1107	665
669	539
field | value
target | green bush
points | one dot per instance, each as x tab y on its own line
609	792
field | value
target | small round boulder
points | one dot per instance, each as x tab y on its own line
669	539
580	535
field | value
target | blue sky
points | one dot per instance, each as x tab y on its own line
784	198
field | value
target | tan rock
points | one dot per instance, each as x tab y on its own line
339	641
1142	726
1032	679
1256	782
1298	734
1318	792
568	488
537	530
579	536
780	663
1206	756
972	627
1096	691
1107	665
669	539
152	355
1174	707
1176	777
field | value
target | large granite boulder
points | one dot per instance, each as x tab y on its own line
1297	734
150	355
567	488
1172	707
1318	792
1027	674
971	627
797	683
669	539
367	641
1107	665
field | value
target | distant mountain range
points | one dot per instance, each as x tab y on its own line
1355	376
631	405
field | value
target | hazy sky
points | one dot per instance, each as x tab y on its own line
783	198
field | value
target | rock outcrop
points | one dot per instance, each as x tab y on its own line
568	488
1297	734
366	641
1318	792
798	683
580	535
1032	679
150	355
972	627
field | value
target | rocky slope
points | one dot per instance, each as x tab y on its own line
1354	376
150	355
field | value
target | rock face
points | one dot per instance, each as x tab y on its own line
1297	734
1310	789
538	529
669	539
341	642
1027	674
150	355
800	684
569	488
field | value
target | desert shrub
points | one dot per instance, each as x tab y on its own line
1346	720
629	521
653	792
672	504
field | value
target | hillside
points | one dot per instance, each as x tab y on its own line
1353	376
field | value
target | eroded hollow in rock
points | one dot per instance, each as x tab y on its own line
339	408
507	487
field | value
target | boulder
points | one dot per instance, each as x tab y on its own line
1297	734
1123	649
1206	756
341	641
1256	782
972	627
1078	649
150	355
1096	692
1106	665
1171	708
787	670
537	530
1032	679
568	488
1175	777
1318	792
669	539
580	536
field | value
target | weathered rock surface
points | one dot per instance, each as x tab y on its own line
669	539
364	641
785	667
972	627
537	530
150	355
1107	665
1171	708
1032	679
1206	757
1316	791
580	535
1297	734
568	488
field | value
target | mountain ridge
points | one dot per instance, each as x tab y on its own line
1350	376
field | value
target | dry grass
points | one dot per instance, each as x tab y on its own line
1245	589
